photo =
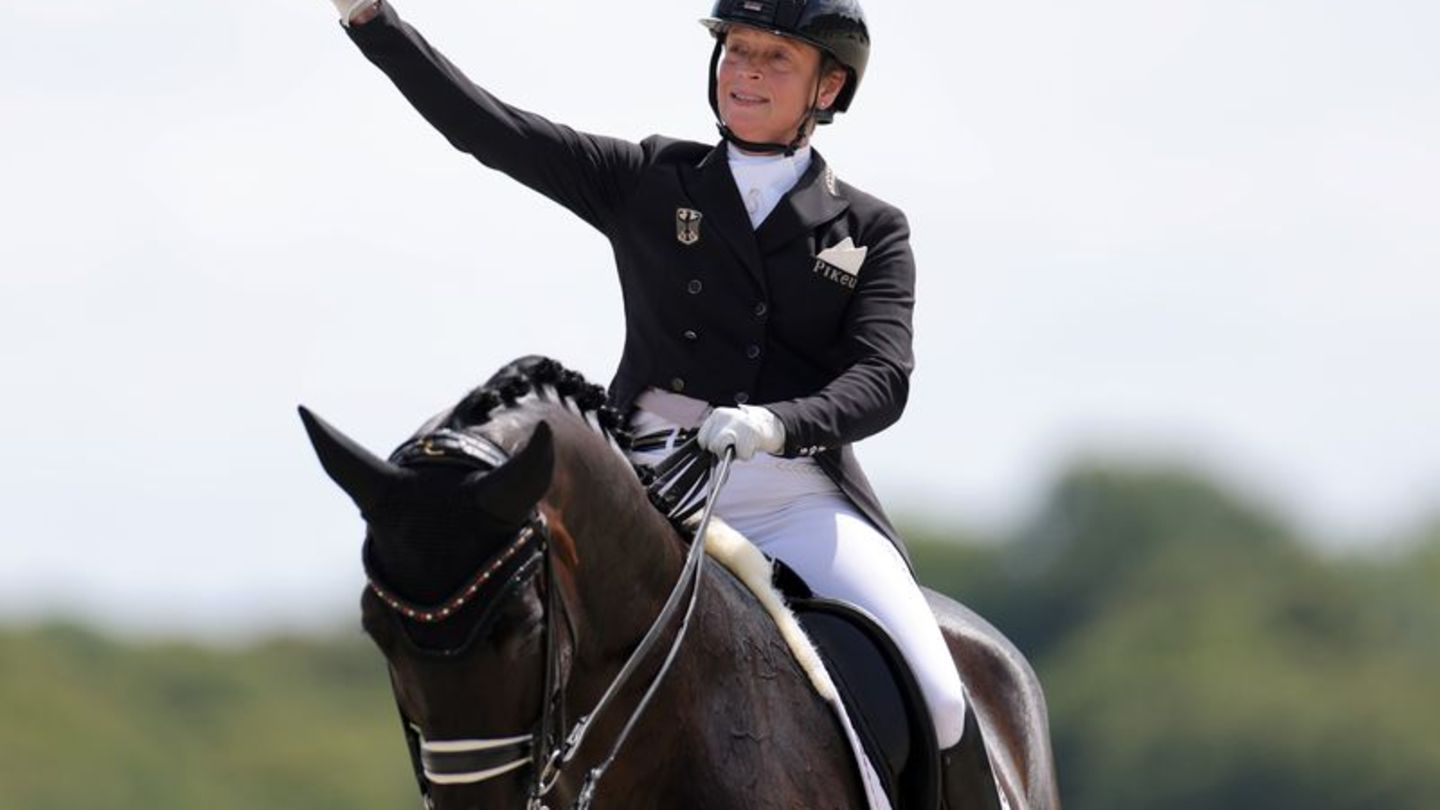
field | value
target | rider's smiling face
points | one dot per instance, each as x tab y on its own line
767	83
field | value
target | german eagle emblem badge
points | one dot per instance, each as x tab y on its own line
687	225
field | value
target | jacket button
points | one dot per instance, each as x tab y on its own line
742	398
761	310
752	352
694	287
691	335
677	385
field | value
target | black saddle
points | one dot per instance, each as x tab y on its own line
879	692
875	682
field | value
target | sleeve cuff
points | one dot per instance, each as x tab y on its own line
795	439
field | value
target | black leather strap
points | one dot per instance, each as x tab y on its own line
445	446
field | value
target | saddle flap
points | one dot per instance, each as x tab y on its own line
882	697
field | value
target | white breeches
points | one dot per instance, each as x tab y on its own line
793	512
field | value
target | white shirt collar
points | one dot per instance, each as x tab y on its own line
764	180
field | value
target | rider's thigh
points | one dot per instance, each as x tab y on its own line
841	555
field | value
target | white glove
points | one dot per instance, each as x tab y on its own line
349	8
749	429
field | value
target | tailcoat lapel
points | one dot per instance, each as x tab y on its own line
712	182
814	201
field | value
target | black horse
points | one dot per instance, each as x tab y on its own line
518	569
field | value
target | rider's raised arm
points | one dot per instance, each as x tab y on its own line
589	174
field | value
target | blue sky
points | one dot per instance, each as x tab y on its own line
1196	230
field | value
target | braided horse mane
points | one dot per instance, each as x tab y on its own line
540	378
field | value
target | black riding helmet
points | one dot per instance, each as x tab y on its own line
836	27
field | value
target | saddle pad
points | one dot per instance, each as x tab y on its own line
880	692
741	558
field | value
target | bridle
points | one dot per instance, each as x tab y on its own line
549	747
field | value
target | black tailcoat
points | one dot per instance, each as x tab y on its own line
714	309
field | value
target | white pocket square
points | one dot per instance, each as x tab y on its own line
845	256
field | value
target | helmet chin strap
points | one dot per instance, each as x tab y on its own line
788	150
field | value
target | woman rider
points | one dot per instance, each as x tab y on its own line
766	302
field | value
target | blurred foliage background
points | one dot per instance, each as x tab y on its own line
1197	653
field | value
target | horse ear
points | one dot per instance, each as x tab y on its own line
363	476
510	491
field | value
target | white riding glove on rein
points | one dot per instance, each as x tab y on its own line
349	8
748	428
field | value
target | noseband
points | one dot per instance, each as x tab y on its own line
549	748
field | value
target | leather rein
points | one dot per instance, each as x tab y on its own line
549	747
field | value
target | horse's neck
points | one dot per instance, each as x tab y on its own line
620	551
734	702
622	559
